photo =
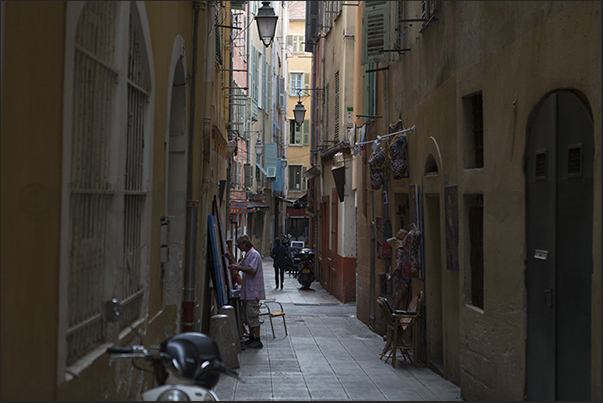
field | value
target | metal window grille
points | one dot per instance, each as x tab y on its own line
540	166
130	288
476	242
92	192
478	130
574	160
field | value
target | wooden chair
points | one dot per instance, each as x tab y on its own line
266	311
403	327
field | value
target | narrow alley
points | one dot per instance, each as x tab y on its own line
328	355
440	160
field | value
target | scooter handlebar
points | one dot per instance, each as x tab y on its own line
119	350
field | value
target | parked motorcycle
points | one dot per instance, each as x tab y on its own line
185	367
305	275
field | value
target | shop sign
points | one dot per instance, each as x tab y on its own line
238	206
297	212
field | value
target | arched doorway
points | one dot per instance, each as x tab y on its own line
176	175
559	230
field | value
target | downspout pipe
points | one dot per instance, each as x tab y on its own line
205	199
192	206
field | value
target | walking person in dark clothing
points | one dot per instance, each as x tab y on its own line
279	254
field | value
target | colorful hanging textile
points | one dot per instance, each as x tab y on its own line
397	153
376	167
408	254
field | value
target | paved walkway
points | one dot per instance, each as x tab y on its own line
328	355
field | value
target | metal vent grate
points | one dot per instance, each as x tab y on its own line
540	167
574	160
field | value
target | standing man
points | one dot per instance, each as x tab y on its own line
252	289
279	254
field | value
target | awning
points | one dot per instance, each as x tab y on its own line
312	172
253	206
301	202
285	200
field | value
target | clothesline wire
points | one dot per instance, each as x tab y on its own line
384	136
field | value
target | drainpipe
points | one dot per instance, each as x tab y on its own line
188	298
207	76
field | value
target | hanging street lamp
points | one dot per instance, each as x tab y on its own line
299	112
259	147
266	20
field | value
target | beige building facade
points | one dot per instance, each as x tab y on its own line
500	104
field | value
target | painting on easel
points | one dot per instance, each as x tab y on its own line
229	284
218	260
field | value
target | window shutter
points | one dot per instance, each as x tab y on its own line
268	86
289	42
306	132
375	32
306	80
312	26
271	160
263	95
247	169
253	73
281	92
304	185
292	84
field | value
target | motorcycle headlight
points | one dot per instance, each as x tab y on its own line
173	395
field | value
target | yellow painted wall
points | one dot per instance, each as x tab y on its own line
298	62
33	50
32	93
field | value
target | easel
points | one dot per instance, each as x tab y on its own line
226	294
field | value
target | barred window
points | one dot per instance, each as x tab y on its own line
106	228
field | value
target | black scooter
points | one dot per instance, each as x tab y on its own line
305	275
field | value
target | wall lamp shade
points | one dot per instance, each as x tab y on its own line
299	112
266	20
259	147
284	162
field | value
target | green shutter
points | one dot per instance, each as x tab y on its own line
306	132
376	32
306	80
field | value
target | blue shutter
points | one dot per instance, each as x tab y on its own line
277	186
271	160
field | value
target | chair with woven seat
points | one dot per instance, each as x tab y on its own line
403	328
266	311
